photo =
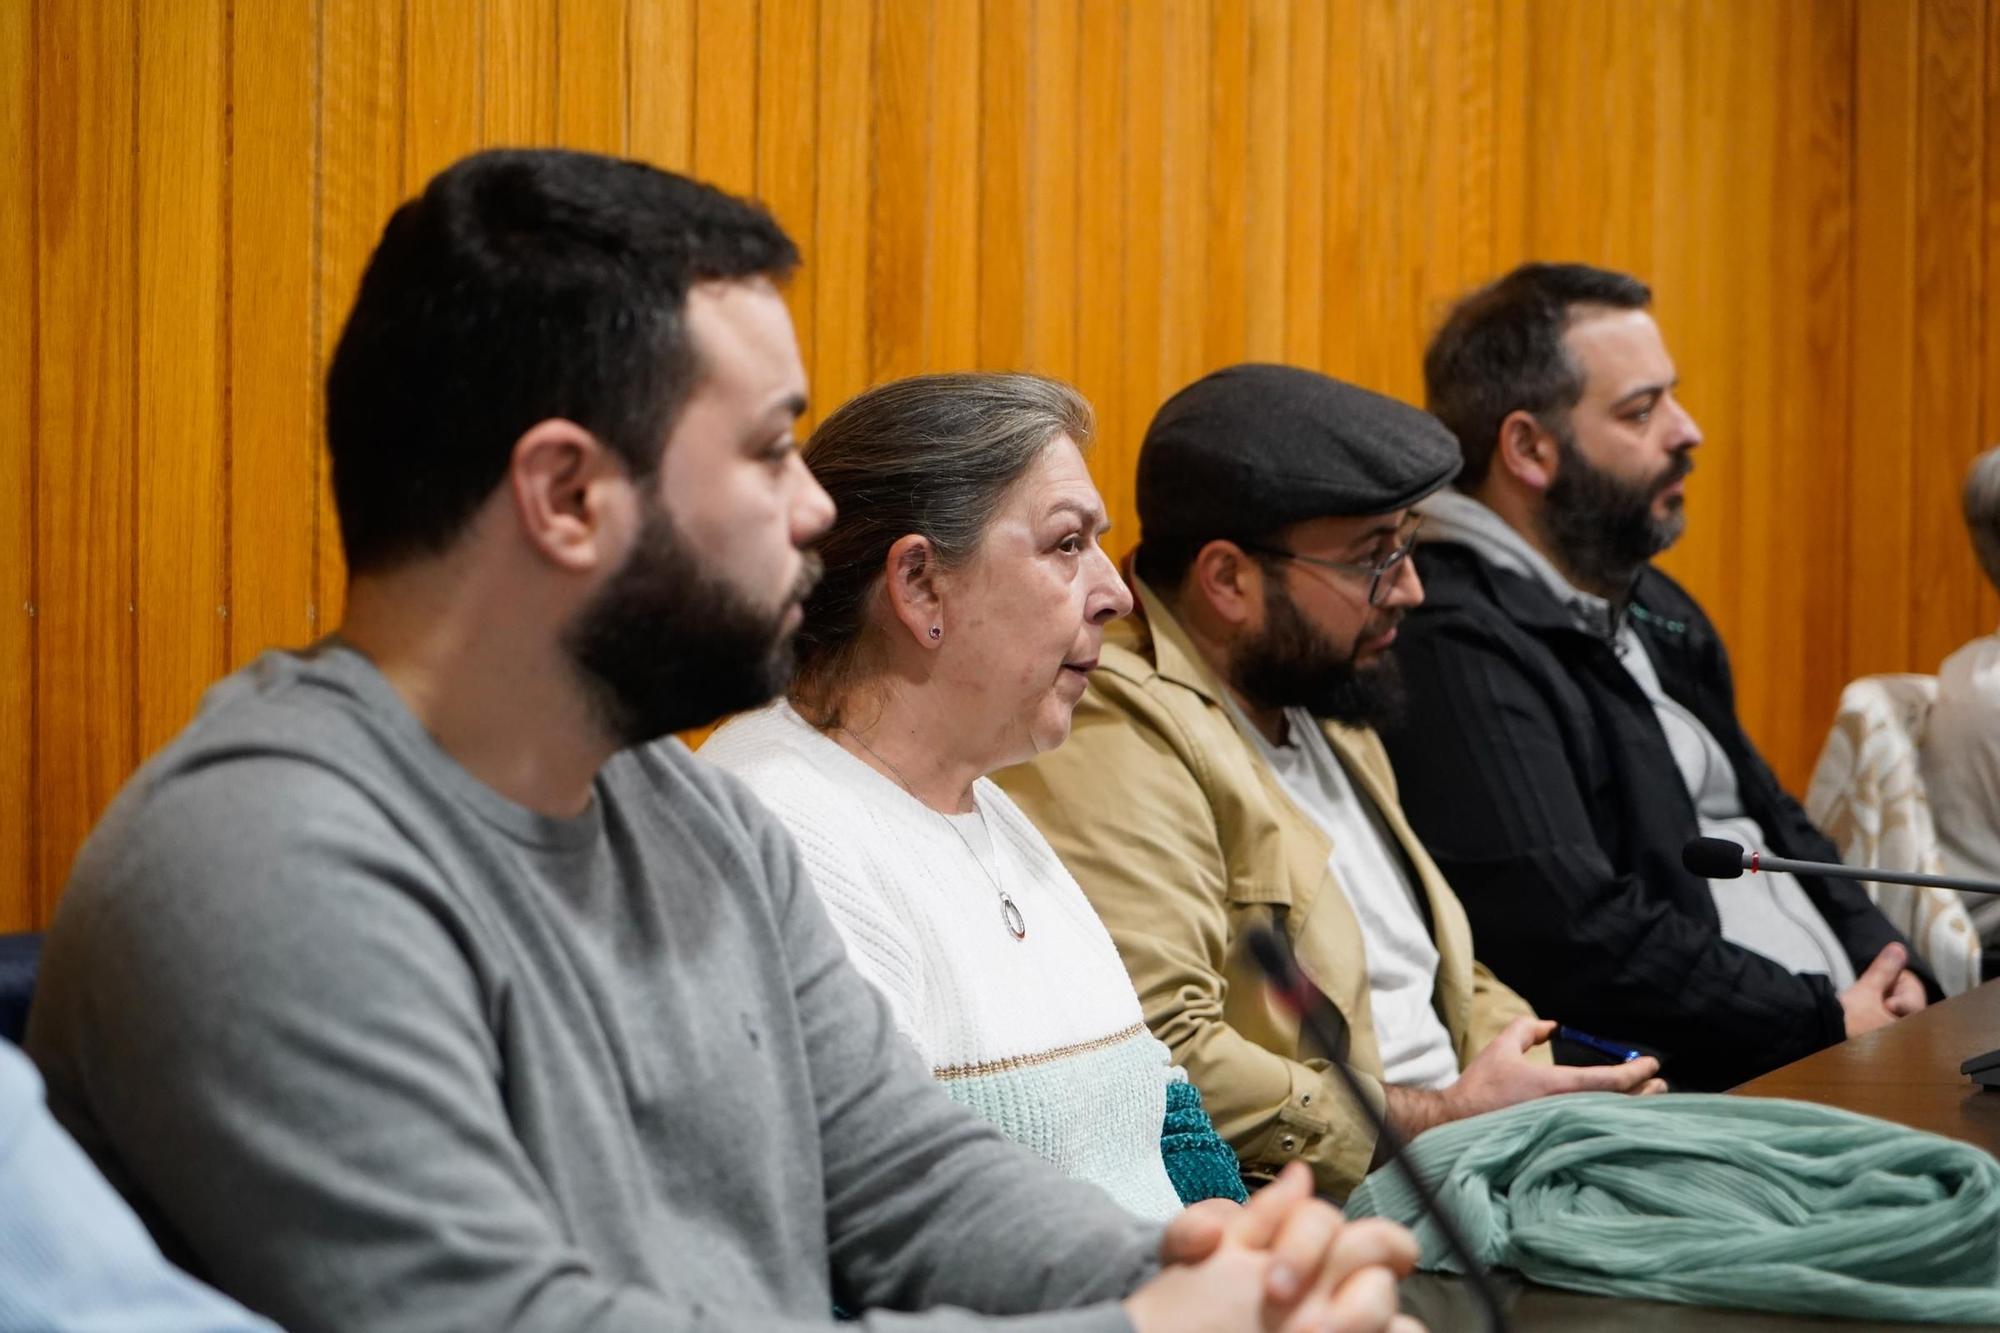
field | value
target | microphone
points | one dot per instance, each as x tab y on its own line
1310	1007
1719	858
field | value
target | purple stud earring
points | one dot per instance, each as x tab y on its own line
937	632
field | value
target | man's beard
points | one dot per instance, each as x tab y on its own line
1601	527
1290	664
666	645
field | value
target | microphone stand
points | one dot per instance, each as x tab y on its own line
1719	858
1309	1006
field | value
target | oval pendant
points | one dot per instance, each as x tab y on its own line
1010	916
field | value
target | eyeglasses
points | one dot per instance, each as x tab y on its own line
1382	573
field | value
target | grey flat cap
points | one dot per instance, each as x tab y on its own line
1251	448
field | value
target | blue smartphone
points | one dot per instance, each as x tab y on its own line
1598	1044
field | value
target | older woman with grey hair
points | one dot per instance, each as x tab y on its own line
1961	749
964	599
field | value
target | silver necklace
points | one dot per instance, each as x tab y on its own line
1010	915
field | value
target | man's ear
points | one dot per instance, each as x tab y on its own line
574	498
1526	451
911	577
1230	581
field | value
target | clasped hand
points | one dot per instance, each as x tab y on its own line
1286	1262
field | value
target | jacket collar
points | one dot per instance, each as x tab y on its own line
1454	518
1525	600
1175	657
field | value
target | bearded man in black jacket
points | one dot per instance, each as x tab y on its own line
1574	721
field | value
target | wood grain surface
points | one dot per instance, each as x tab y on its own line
1126	193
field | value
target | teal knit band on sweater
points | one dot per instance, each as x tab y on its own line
1199	1163
1715	1200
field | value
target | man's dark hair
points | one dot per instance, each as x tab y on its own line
1162	563
1501	350
520	286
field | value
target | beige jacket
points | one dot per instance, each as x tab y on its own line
1182	838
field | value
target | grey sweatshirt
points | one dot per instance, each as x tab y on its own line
371	1047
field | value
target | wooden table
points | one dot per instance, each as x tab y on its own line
1907	1072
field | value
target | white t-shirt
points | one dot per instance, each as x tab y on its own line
1768	912
1417	1050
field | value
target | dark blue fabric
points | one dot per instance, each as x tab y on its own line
20	959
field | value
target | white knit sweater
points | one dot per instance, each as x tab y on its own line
1043	1035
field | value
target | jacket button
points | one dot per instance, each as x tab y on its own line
1287	1143
1306	1098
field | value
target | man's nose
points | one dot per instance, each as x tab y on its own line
1406	588
1688	434
813	511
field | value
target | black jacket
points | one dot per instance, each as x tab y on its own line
1534	769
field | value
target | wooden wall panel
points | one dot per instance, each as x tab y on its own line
1186	91
1711	112
1730	512
1807	606
899	191
1303	266
20	433
838	269
271	238
181	361
1102	236
953	259
1136	281
1228	146
362	141
590	75
442	79
1003	74
1049	281
1122	192
1989	432
725	107
86	159
1944	419
787	110
1375	344
1882	271
518	90
660	38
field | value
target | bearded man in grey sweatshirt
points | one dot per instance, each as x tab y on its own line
418	985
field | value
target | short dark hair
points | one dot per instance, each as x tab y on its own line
1162	563
1501	350
933	455
522	285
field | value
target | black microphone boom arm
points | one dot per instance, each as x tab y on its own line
1313	1010
1719	858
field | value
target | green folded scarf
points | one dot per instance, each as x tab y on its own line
1715	1200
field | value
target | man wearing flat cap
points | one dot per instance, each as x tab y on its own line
1223	772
